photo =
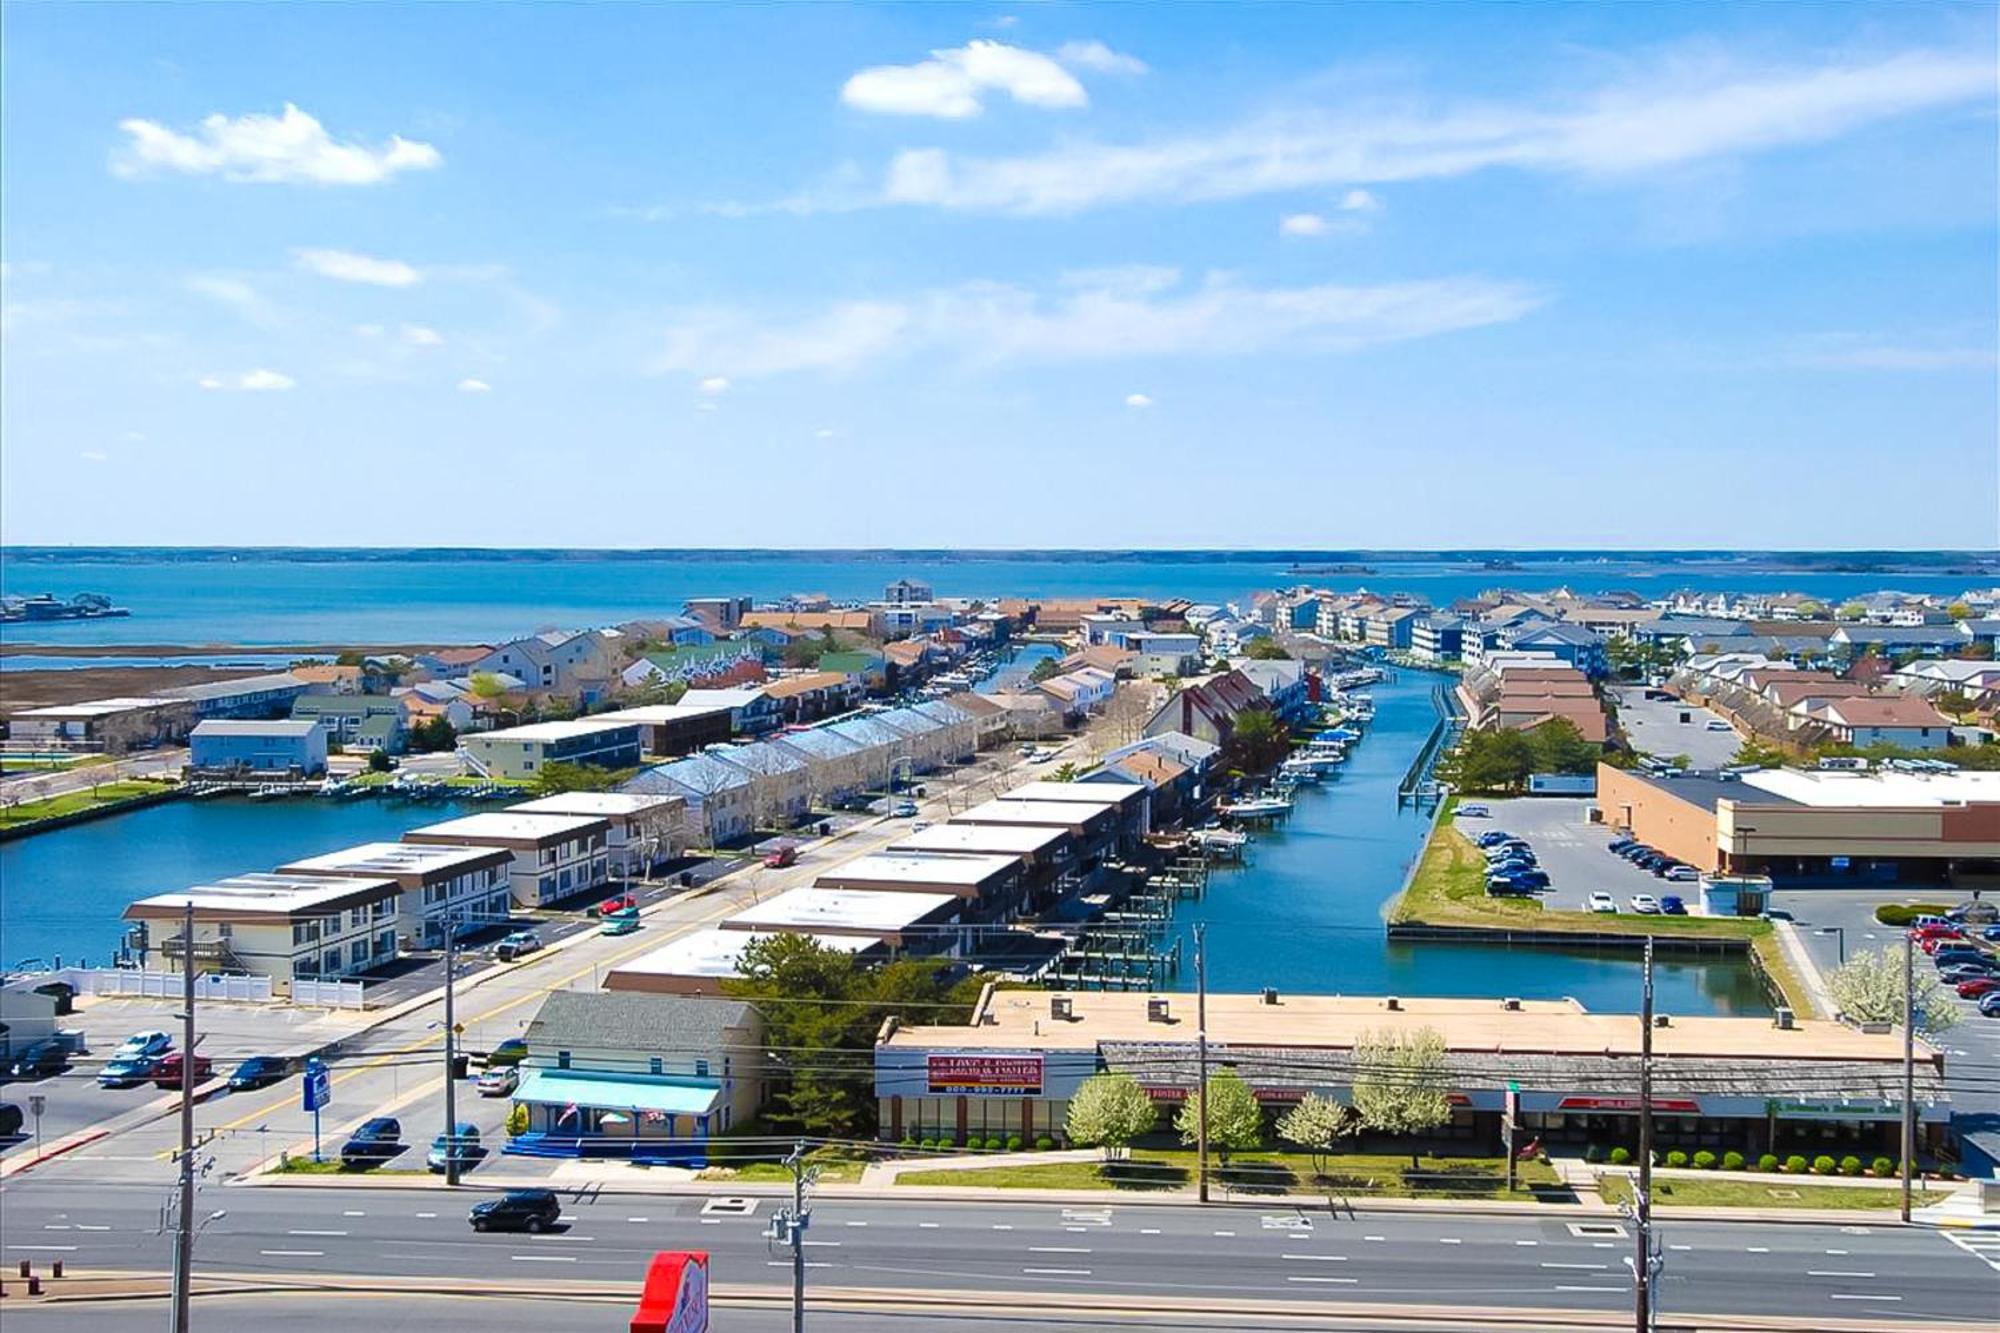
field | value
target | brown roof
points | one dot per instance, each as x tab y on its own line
904	652
326	673
461	656
797	620
1888	710
1789	691
1150	767
976	704
1104	656
786	687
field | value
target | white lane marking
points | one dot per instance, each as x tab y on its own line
1680	1247
1840	1252
1346	1281
41	1247
90	1226
565	1217
638	1220
1600	1267
543	1258
426	1214
1058	1272
1591	1288
564	1236
1003	1226
1835	1272
1450	1240
1758	1249
1858	1296
927	1226
353	1212
1058	1249
56	1226
303	1232
1225	1233
856	1224
787	1263
834	1243
295	1254
1604	1245
1149	1231
1527	1242
1318	1258
1374	1238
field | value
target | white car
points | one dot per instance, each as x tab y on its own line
1682	874
1717	724
498	1081
1603	902
1646	904
1473	810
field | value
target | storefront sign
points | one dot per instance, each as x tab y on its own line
1669	1105
1856	1110
985	1075
675	1299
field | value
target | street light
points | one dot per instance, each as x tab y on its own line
1841	932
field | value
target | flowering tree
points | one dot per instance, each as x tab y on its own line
1868	987
1234	1119
1400	1083
1316	1124
1108	1112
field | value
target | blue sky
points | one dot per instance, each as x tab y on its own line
1324	276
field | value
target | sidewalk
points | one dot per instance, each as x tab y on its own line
887	1173
1808	972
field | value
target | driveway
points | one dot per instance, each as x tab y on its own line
1657	729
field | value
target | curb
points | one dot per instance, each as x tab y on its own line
14	1166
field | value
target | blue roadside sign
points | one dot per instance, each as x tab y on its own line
318	1086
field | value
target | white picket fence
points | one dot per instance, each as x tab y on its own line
167	985
332	994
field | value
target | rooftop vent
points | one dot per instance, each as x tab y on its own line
1270	995
1512	1002
1663	1020
1059	1007
1156	1011
1392	1003
1878	1029
1783	1018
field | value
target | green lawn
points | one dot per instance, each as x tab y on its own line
306	1166
110	793
1372	1174
1726	1193
1449	889
831	1172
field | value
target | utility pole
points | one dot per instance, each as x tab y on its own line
791	1227
1909	1064
1201	1056
184	1226
1642	1197
450	1051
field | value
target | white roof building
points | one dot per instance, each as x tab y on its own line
699	963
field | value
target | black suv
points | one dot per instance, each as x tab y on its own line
41	1059
533	1211
373	1144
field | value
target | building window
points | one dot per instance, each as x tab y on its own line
562	1059
701	1069
654	1066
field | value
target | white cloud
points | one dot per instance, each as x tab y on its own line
94	456
1096	55
825	433
990	322
346	266
1302	224
1138	400
367	330
289	148
949	84
1851	352
250	381
135	437
422	335
471	385
1689	112
234	292
1359	201
714	385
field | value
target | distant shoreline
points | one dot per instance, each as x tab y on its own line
215	649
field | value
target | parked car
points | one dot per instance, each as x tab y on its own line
143	1043
373	1144
1989	1004
10	1120
1671	905
1473	810
461	1145
1645	904
1682	874
1990	933
904	810
1952	953
517	945
498	1080
1929	921
257	1071
167	1069
1975	987
41	1059
1492	836
509	1052
620	923
127	1071
610	905
532	1211
1603	902
1717	724
785	856
1617	845
1937	930
1635	851
1956	972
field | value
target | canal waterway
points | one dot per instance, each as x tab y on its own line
65	892
1306	913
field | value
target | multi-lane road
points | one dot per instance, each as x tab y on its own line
1147	1255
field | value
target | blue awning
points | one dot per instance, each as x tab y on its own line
619	1092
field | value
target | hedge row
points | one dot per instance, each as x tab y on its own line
974	1143
1902	914
1794	1165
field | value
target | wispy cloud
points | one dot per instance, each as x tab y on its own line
290	148
1096	55
250	381
1686	112
346	266
1852	352
1140	401
1117	317
949	85
714	385
422	335
236	293
471	385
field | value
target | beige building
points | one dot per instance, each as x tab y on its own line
286	927
555	856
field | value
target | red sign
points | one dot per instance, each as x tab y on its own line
676	1296
1684	1105
1016	1075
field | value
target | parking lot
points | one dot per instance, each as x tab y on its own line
1656	728
1571	850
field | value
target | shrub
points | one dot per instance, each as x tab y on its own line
1620	1156
1677	1158
1593	1152
1902	914
1850	1165
1705	1160
517	1119
1044	1143
1732	1161
1013	1143
907	1143
1768	1162
1823	1165
1884	1167
1795	1165
928	1145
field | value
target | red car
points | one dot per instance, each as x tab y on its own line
1930	943
1978	986
610	905
787	855
167	1073
1936	932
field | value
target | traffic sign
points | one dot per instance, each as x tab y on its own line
36	1104
317	1086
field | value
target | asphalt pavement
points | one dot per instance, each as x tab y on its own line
1144	1253
1572	850
1656	727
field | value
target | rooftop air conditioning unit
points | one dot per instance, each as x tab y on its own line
1392	1003
1783	1018
1156	1011
1059	1007
1512	1002
1663	1020
1270	995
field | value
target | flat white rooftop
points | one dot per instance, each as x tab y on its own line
967	872
1079	793
1014	839
1875	788
282	726
873	910
264	895
599	804
716	953
543	732
97	707
505	826
660	714
1064	814
395	858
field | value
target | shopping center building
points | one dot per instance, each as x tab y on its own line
1749	1084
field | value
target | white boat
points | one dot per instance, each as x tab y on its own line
1255	807
1300	769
